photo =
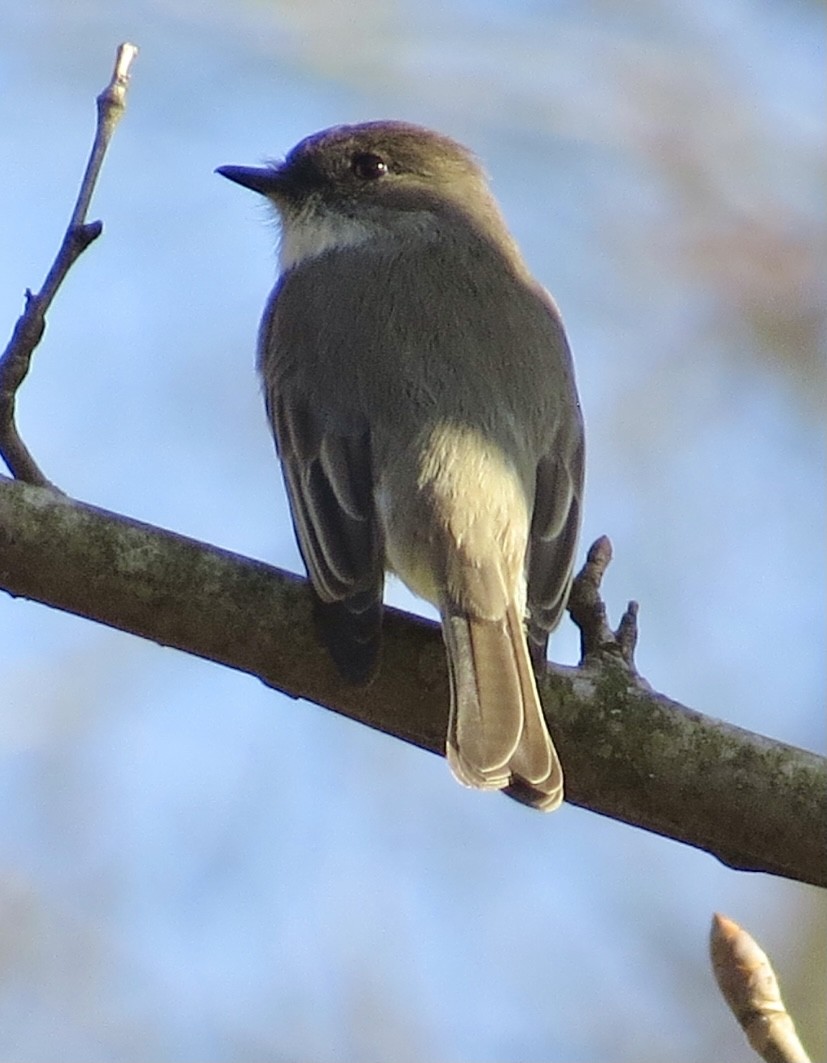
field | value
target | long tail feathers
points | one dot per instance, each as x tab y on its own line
497	735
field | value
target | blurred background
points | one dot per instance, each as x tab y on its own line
194	868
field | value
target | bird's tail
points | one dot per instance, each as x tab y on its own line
497	734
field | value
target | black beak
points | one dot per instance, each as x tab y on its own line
266	180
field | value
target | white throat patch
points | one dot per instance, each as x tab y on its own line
310	234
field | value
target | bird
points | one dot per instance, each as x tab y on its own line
421	393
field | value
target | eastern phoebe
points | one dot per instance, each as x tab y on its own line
421	393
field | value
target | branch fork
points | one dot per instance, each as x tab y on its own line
588	611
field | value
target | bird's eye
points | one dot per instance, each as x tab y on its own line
368	167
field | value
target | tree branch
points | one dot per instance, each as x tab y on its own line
28	332
629	752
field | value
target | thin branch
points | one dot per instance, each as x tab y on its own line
27	333
629	752
748	984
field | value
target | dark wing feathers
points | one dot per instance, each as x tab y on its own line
553	539
329	482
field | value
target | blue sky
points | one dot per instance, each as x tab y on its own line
192	867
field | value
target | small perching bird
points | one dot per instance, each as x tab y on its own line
421	393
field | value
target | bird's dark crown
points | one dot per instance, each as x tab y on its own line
366	160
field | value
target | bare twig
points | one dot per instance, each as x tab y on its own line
15	360
588	611
749	986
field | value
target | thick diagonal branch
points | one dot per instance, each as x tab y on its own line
629	752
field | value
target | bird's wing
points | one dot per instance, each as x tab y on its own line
323	438
330	488
554	529
329	483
